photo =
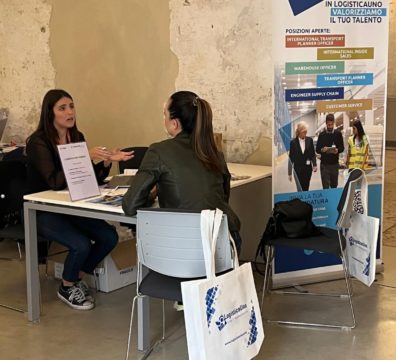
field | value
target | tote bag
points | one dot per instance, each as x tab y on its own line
222	315
361	239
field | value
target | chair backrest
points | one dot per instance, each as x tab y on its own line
169	242
135	162
346	201
12	186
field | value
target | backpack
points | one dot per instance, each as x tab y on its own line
291	219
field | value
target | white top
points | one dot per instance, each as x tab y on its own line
302	144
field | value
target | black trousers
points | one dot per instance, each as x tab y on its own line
302	177
329	175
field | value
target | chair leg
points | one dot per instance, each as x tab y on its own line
148	352
305	324
266	274
12	308
19	250
346	265
130	327
349	289
163	320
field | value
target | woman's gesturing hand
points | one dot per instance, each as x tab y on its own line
99	153
119	155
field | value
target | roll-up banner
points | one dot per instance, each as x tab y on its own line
330	75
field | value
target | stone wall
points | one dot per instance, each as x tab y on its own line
26	71
224	53
121	59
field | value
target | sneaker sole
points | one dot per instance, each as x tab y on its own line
76	307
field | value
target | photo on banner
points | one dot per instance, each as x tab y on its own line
330	62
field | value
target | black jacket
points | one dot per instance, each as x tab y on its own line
329	139
182	181
44	167
298	159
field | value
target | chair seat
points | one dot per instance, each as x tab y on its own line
161	286
17	232
327	241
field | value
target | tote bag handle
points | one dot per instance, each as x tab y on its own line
364	193
210	226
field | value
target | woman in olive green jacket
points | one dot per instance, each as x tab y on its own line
187	170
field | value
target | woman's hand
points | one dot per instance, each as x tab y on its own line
315	168
99	153
118	155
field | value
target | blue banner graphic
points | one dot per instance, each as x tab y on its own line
345	79
314	94
299	6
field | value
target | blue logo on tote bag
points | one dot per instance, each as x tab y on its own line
253	327
210	301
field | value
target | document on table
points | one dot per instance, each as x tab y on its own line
79	172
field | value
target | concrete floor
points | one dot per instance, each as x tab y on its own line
64	333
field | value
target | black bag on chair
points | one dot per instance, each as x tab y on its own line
291	219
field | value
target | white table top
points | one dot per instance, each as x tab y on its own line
63	198
255	172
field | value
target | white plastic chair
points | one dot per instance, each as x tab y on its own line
169	245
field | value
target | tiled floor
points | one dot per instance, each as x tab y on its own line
101	334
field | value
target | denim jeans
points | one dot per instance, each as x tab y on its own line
88	240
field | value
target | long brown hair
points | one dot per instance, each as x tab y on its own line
360	131
46	123
195	116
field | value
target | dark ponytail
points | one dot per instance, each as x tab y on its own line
195	116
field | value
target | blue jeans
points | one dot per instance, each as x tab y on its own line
88	240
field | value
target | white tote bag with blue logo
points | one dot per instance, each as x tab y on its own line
222	315
362	238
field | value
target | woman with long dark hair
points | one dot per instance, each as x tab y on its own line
358	147
188	170
88	240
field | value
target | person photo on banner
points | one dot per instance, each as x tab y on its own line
330	145
302	158
358	147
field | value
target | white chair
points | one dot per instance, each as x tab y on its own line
169	245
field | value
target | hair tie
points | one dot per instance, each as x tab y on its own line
195	101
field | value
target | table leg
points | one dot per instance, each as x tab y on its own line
143	311
32	273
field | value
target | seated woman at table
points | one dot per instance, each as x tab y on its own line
88	240
187	170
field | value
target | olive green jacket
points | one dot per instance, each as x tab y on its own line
182	181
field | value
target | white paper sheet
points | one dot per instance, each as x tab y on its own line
79	172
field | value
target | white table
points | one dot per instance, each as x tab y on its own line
59	202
